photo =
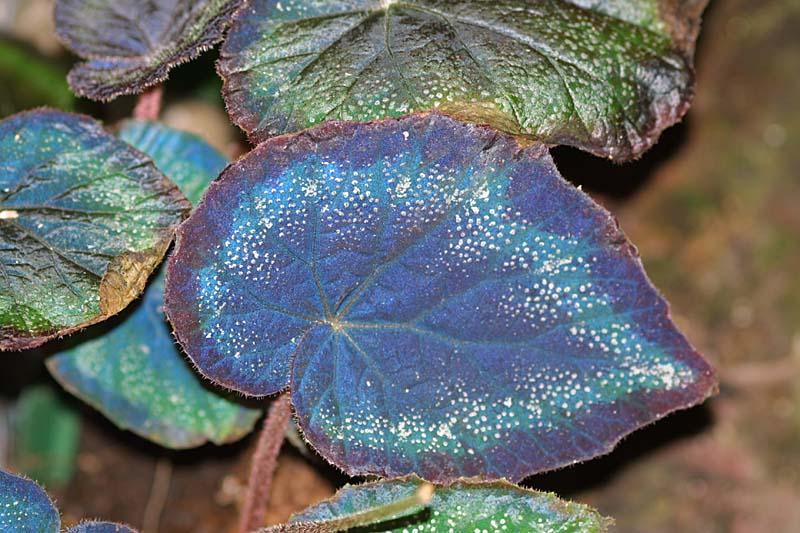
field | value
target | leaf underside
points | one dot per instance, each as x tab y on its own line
438	300
463	506
606	76
135	374
84	219
130	45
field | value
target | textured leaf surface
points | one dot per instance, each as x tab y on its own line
84	219
439	301
130	44
25	507
135	374
101	527
607	76
189	161
461	507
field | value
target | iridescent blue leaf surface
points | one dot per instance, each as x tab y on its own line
437	298
135	374
101	527
25	507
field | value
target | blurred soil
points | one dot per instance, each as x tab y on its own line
715	212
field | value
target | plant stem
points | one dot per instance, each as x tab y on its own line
421	497
265	460
162	477
148	106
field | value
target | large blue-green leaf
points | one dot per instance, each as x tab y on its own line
134	373
84	220
437	299
463	507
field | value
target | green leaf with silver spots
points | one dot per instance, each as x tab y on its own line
605	75
463	506
136	376
84	220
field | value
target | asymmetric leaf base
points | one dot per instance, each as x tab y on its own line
437	299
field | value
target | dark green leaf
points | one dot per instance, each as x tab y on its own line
604	75
130	45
